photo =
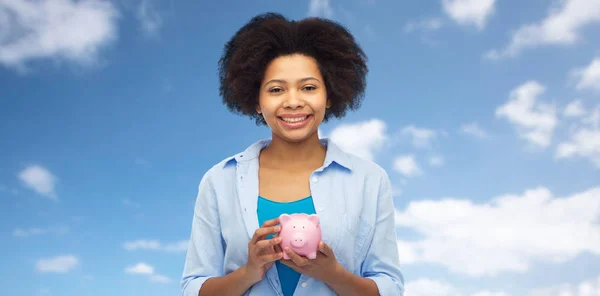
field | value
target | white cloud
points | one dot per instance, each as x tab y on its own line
488	293
562	26
574	109
430	287
436	160
39	179
148	270
589	287
19	232
140	268
469	12
161	279
429	24
584	143
320	8
149	18
362	139
534	121
421	137
588	76
59	264
142	244
180	246
55	29
473	129
593	119
407	165
506	234
584	140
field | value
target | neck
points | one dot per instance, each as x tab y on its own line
309	152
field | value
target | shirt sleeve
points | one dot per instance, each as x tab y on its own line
382	262
204	257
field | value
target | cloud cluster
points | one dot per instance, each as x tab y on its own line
534	120
147	270
505	234
155	245
59	264
562	26
55	29
470	12
39	179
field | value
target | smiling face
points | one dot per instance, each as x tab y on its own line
293	98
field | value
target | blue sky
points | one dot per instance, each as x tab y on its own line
486	115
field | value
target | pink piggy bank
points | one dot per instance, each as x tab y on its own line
300	232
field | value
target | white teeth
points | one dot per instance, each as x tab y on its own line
297	119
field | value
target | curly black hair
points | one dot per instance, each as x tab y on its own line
340	59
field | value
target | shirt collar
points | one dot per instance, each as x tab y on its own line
333	154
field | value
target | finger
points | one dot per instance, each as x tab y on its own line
268	243
270	257
325	249
271	222
262	232
297	259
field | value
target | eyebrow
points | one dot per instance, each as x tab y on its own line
298	81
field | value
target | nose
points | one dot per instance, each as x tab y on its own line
294	100
298	241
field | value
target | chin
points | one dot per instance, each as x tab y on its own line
296	136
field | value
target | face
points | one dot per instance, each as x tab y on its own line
293	98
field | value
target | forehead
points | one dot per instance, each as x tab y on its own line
292	67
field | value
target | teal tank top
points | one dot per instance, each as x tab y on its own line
267	210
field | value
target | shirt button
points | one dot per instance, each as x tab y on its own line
304	285
315	179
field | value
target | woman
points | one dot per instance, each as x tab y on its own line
292	76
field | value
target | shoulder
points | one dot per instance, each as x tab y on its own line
225	169
221	169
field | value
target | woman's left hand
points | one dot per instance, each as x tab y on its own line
323	268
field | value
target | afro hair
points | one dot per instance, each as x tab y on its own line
340	59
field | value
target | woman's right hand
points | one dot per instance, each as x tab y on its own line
263	252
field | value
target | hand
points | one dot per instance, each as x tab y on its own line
262	252
323	268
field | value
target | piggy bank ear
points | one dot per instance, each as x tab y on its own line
284	218
314	219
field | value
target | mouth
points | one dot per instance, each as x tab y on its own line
295	121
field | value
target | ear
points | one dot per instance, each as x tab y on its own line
258	109
314	219
284	218
328	104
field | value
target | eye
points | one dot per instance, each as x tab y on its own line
275	90
310	87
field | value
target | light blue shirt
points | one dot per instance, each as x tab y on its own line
352	196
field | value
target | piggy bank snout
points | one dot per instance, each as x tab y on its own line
298	240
